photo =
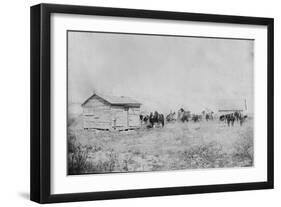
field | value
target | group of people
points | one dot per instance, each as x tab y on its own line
153	119
232	117
185	116
156	119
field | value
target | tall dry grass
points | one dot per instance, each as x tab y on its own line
174	147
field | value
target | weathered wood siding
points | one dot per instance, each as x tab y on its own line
134	117
97	114
119	117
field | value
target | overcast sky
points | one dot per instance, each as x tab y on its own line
162	72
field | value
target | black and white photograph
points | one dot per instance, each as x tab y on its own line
151	102
129	102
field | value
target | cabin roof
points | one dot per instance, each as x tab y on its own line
116	100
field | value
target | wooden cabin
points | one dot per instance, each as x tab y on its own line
111	113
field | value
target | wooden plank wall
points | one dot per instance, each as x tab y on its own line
134	117
119	117
97	114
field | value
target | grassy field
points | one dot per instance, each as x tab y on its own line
176	146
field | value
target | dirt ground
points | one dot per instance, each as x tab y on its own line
177	146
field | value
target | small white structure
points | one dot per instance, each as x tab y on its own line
111	113
232	105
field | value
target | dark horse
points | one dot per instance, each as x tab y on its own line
156	118
222	118
230	118
196	117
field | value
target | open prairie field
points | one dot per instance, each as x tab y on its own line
177	146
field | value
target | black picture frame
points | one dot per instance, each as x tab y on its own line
41	102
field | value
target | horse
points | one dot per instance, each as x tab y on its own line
230	118
242	119
183	115
161	119
222	117
156	118
237	115
196	117
209	116
171	117
151	120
